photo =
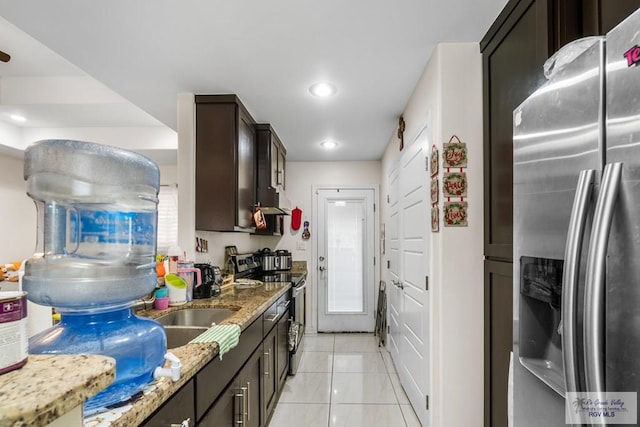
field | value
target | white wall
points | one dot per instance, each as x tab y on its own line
448	98
17	213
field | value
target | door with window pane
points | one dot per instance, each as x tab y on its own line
345	260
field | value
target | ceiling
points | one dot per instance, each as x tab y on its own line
123	62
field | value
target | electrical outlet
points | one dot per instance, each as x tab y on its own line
301	246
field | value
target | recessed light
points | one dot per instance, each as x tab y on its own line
322	89
18	118
329	145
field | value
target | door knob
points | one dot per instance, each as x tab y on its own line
322	268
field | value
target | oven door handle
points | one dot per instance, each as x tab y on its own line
297	289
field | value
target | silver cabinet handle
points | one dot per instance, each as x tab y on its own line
185	423
284	304
593	332
248	401
272	318
268	356
241	412
579	213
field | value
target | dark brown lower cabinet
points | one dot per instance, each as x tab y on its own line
498	341
243	387
176	410
241	402
270	375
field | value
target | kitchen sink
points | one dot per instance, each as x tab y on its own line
181	335
203	317
184	325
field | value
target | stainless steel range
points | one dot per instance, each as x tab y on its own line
248	266
296	331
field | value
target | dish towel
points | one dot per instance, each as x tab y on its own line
227	337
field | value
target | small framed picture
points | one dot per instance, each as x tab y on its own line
434	190
433	161
455	214
454	155
435	219
454	184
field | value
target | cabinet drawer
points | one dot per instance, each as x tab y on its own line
214	377
273	314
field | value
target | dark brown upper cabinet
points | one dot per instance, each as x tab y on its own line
272	156
271	160
225	164
271	164
513	52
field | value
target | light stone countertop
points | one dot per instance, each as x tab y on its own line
49	386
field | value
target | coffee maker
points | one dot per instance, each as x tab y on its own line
211	281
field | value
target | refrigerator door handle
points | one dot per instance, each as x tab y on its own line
593	331
579	213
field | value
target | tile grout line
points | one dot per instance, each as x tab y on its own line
386	367
333	359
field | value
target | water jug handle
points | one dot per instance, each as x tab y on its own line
75	232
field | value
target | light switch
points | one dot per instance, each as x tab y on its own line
301	245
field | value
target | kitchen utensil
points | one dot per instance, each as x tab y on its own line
283	259
186	270
161	303
267	260
296	217
177	289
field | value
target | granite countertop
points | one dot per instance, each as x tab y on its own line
49	386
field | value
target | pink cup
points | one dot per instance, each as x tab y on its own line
161	303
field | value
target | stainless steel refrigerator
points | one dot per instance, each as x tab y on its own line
577	229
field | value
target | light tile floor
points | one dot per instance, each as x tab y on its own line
344	380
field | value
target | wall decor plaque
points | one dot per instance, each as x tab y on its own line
434	190
433	161
455	214
454	154
435	219
454	184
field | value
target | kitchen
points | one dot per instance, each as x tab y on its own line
444	99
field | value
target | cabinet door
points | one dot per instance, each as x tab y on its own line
498	303
513	53
226	411
282	359
246	172
602	16
281	168
270	373
274	163
251	377
176	410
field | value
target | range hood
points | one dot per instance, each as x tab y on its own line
268	202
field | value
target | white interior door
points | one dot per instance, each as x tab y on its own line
345	260
409	289
394	293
